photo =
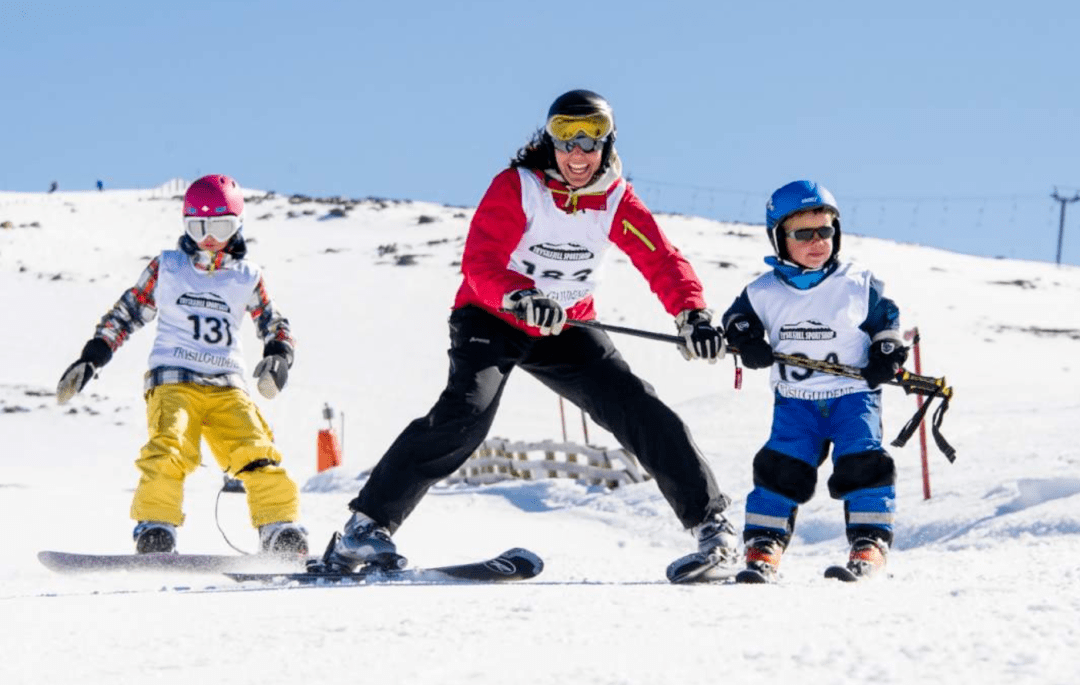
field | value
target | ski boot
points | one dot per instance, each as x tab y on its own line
716	557
154	537
762	561
717	538
365	543
284	538
867	559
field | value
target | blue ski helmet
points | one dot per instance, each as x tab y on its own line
795	197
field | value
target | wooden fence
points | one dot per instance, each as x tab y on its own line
499	459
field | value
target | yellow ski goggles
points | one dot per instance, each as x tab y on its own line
564	127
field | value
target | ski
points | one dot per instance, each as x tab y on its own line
846	575
749	576
70	562
512	565
700	568
867	561
841	573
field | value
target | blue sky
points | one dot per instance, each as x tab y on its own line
941	123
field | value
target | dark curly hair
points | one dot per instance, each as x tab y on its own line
537	155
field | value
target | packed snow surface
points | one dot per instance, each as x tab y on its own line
983	584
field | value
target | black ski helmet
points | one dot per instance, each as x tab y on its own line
582	103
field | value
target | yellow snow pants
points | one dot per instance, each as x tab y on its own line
178	417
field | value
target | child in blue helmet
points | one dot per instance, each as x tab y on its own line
811	304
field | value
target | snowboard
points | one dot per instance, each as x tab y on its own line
70	562
512	565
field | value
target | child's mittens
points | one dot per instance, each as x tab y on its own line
272	372
887	357
95	354
749	339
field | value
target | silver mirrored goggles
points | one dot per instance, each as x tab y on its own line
218	227
586	143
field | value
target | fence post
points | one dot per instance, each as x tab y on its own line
562	417
913	335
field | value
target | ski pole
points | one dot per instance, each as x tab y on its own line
638	333
911	383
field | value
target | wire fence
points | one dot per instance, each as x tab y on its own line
1009	226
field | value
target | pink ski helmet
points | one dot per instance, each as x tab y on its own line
214	195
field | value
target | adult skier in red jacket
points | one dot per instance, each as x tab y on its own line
531	261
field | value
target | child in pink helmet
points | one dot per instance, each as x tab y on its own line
195	387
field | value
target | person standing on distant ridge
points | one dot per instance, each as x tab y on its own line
195	386
812	305
531	261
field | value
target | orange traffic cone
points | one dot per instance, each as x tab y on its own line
328	449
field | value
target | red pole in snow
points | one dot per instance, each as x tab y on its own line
913	335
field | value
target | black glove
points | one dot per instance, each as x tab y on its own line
700	339
887	357
534	309
273	370
749	339
96	353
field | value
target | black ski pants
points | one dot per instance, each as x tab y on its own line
582	365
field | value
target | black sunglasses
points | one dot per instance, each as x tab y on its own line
582	141
805	235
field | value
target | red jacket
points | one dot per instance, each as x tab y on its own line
500	222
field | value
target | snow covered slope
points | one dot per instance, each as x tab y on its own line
985	577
